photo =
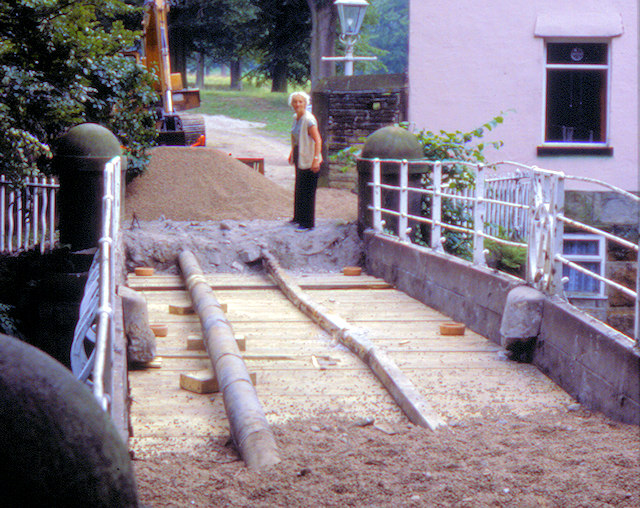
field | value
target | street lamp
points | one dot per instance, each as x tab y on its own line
351	13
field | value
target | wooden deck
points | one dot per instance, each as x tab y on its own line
303	373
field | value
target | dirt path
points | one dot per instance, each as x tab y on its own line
249	139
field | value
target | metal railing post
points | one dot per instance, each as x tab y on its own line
436	229
404	201
377	196
51	192
3	212
479	213
636	328
557	240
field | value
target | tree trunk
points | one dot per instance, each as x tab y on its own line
200	72
279	77
178	54
235	68
323	35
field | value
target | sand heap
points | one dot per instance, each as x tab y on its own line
199	184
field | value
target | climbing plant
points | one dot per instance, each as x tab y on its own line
454	146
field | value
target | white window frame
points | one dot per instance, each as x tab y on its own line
600	257
547	66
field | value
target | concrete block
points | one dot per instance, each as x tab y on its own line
522	316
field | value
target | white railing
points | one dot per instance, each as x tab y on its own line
91	350
506	202
27	215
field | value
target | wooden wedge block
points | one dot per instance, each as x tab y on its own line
195	343
160	330
452	328
181	309
144	271
204	381
352	270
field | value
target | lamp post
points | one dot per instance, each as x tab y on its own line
351	13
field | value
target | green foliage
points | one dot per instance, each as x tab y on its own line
61	65
8	323
347	157
454	146
388	33
507	258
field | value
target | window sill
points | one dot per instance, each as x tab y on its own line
551	150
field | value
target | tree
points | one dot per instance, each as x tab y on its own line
221	29
390	34
323	36
282	47
61	64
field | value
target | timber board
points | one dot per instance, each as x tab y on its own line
226	281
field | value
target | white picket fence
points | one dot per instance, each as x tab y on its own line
28	215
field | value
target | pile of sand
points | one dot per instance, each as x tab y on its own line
200	184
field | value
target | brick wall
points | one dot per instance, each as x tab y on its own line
349	108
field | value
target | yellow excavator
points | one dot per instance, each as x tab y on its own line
174	127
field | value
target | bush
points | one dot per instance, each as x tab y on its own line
61	64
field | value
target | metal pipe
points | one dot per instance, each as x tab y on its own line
249	427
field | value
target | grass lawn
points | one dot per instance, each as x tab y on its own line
255	104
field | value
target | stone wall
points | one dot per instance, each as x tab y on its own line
348	109
616	214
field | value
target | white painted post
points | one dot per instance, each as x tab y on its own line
10	210
436	208
3	212
43	216
479	212
377	197
636	328
557	210
404	201
19	219
37	191
51	191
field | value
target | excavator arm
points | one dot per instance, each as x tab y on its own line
174	128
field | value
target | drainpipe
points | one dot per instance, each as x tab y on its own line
249	427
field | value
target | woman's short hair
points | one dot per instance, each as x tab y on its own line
304	95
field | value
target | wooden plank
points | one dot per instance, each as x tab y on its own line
226	282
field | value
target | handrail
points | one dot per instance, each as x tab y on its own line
534	209
96	324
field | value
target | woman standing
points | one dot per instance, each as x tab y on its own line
306	147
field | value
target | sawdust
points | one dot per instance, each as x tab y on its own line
553	459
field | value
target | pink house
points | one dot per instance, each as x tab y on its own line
564	72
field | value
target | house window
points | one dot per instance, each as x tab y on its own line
576	83
588	251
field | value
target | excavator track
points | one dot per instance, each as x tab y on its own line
181	129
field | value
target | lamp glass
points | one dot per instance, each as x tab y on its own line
351	14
